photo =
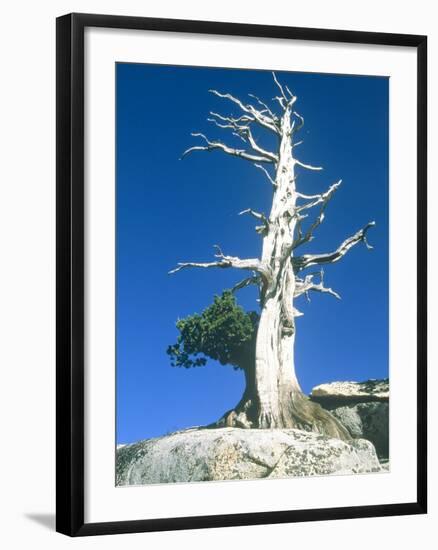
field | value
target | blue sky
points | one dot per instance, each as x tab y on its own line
170	210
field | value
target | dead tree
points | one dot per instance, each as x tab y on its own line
276	399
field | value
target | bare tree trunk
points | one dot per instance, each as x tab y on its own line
280	401
275	376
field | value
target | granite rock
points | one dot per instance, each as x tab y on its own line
200	454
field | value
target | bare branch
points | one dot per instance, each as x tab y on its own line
301	121
289	92
261	229
237	134
307	260
299	225
236	124
318	199
322	199
309	233
235	100
280	101
259	117
303	286
183	265
233	120
256	147
255	214
307	166
267	174
252	264
285	101
308	197
262	104
254	280
280	87
211	145
297	312
244	132
220	125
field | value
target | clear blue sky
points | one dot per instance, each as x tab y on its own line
170	210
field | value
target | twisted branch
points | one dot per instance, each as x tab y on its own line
301	121
266	108
267	174
318	199
254	280
303	286
211	145
243	132
252	264
257	215
257	116
307	166
324	199
261	229
285	101
301	262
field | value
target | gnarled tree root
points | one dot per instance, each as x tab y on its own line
297	411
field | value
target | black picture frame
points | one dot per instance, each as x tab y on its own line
70	273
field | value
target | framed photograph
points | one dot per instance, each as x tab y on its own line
241	274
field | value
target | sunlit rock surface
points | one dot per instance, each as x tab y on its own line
232	453
362	407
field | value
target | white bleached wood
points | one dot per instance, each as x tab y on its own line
304	286
254	280
267	174
262	119
317	259
265	107
211	145
307	166
257	215
252	264
280	87
318	199
301	121
323	200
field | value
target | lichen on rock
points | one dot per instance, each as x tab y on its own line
232	453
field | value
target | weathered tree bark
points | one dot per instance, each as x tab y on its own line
273	397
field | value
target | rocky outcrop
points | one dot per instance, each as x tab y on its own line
362	407
201	454
370	390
